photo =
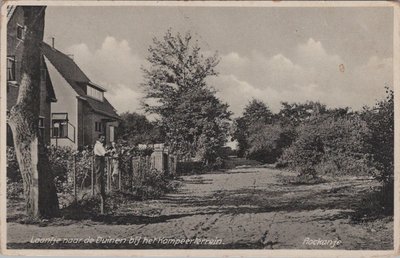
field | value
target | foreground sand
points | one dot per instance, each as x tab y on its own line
239	208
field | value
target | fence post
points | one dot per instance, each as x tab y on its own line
107	174
74	164
92	176
119	175
110	163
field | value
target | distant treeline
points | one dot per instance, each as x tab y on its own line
313	140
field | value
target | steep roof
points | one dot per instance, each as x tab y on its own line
10	11
49	87
77	79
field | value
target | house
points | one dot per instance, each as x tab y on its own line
82	112
15	45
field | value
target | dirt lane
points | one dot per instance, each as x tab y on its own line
240	208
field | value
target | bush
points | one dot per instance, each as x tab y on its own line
380	120
329	145
15	189
267	141
154	185
60	159
13	174
63	161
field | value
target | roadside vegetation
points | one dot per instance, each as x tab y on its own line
315	141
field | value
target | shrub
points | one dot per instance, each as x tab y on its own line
15	189
63	160
380	120
13	173
154	185
60	159
267	141
329	145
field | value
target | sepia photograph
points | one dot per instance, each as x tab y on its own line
198	125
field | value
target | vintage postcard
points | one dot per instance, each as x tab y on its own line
199	128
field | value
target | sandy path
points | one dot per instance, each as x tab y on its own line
240	208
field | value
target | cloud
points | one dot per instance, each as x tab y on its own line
370	78
309	73
114	62
312	54
125	99
116	67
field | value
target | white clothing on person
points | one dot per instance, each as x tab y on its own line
99	149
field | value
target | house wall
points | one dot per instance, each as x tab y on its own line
67	102
108	125
15	47
90	134
45	110
81	123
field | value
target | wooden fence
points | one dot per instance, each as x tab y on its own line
126	177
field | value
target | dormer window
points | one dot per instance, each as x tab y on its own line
95	93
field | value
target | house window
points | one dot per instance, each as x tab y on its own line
11	74
98	127
59	124
20	32
10	141
95	93
41	126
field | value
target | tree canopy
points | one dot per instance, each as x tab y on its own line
137	129
195	121
256	113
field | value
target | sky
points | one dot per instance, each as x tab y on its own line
340	56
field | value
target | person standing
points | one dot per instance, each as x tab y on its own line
99	164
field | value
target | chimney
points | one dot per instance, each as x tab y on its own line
52	42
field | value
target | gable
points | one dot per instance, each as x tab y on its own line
68	74
60	84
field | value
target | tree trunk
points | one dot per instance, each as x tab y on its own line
39	189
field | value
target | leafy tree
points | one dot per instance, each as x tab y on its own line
195	121
380	120
267	141
255	112
295	113
238	133
137	129
39	189
263	142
